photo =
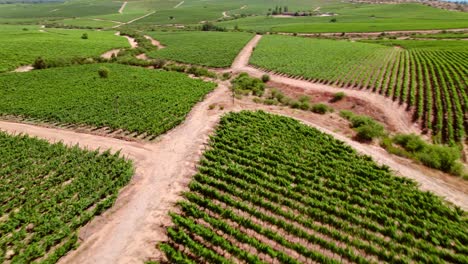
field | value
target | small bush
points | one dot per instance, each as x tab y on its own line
442	158
333	20
265	78
244	82
304	98
338	96
369	131
294	104
346	114
226	76
84	36
270	102
39	63
411	143
211	106
305	106
360	120
159	63
320	109
103	72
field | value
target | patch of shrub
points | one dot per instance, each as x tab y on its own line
439	157
304	98
266	78
338	97
103	72
294	103
305	106
84	36
346	114
320	109
39	63
226	76
199	71
159	63
244	82
270	102
369	131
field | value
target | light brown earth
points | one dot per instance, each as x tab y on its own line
129	231
124	4
154	42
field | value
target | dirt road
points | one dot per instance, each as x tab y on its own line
179	4
123	7
134	20
155	42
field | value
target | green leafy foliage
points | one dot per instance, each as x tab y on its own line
270	189
48	192
133	99
244	84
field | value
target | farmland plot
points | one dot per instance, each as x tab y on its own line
21	45
430	76
270	189
48	192
134	99
214	49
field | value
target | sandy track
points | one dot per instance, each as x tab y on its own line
134	20
242	60
110	53
179	4
25	68
123	7
155	42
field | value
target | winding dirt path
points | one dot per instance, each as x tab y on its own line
25	68
123	7
154	42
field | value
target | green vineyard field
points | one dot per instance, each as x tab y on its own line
51	44
134	99
48	192
213	49
272	190
429	76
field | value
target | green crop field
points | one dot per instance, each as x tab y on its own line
270	189
448	35
48	192
21	45
429	75
214	49
131	98
358	18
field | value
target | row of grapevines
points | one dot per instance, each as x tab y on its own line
133	99
429	76
270	189
48	192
